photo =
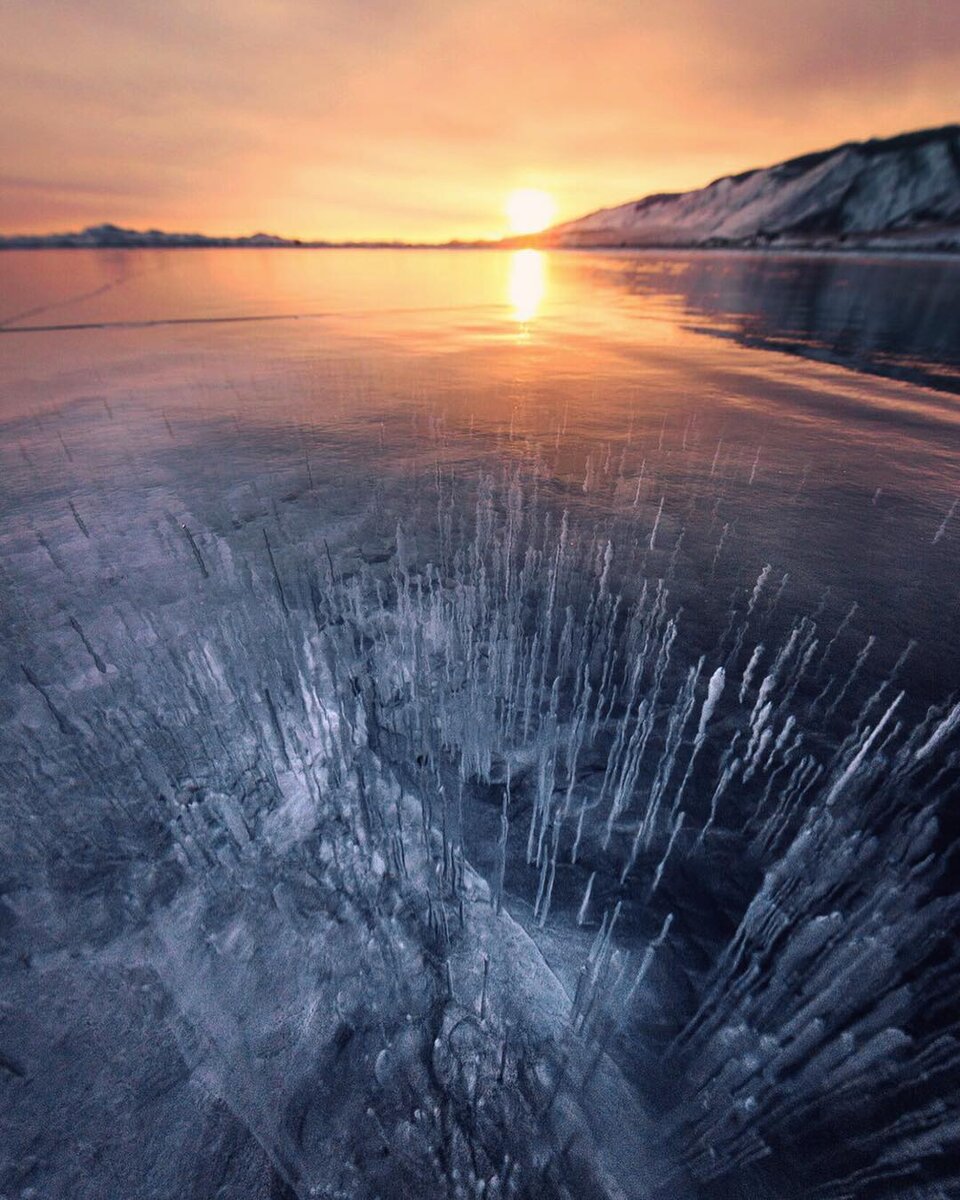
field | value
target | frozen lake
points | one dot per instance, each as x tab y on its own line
376	364
513	688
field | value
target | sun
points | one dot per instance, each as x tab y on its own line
529	210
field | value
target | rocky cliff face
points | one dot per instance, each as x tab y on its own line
895	191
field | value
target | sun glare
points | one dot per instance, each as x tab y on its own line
529	210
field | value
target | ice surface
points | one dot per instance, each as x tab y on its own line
468	820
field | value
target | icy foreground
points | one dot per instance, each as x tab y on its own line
900	192
470	854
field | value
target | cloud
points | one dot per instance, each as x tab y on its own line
339	118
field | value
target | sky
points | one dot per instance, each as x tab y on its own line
415	119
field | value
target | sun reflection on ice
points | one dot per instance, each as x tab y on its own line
526	284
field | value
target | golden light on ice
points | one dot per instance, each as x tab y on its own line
527	284
529	210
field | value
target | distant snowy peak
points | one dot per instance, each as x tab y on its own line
895	191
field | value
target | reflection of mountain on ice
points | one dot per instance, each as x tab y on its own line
895	318
902	191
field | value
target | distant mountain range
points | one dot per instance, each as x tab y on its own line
900	192
106	236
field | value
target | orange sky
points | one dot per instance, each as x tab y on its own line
367	118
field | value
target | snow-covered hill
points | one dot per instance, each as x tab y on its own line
902	191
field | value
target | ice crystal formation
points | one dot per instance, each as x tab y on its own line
482	846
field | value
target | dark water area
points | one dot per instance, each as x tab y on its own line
465	709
